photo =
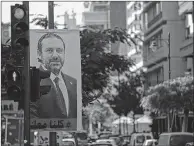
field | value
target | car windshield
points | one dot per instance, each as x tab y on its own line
102	145
68	143
163	140
180	140
140	139
149	143
82	136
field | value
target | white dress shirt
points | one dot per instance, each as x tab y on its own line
63	88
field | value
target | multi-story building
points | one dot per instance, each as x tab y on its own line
161	18
97	15
186	48
168	36
104	15
134	27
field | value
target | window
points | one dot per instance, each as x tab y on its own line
137	17
138	27
154	11
158	7
188	26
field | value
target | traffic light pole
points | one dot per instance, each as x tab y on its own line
27	89
53	135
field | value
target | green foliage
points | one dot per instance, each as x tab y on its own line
98	63
175	94
128	97
99	111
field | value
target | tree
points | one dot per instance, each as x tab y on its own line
97	63
173	95
99	111
41	20
128	97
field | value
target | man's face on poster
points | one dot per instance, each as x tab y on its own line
53	54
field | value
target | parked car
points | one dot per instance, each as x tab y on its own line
106	142
150	142
116	138
189	144
137	139
68	142
175	139
82	137
104	135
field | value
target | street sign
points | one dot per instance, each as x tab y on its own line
66	124
57	51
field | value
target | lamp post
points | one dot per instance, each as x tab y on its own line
169	57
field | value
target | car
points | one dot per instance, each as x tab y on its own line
116	138
189	144
150	142
68	142
104	135
175	138
82	137
137	139
106	141
102	144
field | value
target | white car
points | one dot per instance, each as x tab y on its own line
110	141
68	142
150	142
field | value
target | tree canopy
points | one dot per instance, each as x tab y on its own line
128	96
174	94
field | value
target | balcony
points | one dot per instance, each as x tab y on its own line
155	19
155	57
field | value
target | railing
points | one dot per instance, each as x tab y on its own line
155	19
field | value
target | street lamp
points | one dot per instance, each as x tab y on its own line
167	41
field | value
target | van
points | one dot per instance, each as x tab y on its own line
137	139
175	139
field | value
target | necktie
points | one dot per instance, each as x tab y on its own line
60	98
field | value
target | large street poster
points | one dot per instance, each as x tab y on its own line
57	51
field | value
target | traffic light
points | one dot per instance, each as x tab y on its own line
19	30
14	82
36	89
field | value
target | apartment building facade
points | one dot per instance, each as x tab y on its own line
134	27
159	19
186	48
96	15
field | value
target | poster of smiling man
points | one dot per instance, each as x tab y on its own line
57	51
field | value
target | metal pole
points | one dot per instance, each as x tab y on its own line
53	135
27	89
6	121
169	58
119	95
51	14
169	74
20	132
193	60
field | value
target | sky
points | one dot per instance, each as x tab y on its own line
42	8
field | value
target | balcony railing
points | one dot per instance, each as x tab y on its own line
155	19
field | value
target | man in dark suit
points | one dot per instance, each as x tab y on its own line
61	101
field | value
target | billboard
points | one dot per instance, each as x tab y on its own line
58	51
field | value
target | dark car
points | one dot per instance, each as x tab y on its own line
175	139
